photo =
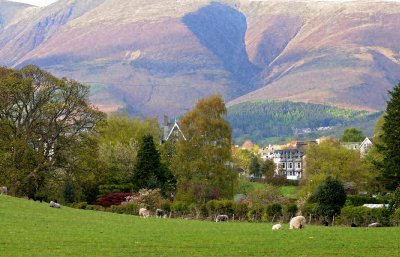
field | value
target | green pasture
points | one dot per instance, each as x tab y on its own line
30	228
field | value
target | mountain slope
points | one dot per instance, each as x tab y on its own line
155	57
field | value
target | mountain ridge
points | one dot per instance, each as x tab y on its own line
151	57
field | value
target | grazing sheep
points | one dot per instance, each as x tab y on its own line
222	217
277	227
297	222
3	190
374	225
143	212
54	204
160	213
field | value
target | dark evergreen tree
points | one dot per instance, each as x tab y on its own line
69	191
391	141
149	172
255	168
329	197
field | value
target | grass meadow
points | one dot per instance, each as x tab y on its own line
34	229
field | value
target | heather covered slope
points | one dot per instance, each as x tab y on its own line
155	57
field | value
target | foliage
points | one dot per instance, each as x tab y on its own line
195	238
391	141
68	192
255	167
352	135
359	200
180	208
149	172
202	164
40	116
329	158
291	210
119	142
150	199
329	198
129	208
268	169
273	211
241	159
216	207
362	216
396	217
265	196
266	122
112	199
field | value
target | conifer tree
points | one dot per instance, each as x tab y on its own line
391	141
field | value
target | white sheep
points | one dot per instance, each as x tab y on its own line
277	227
297	222
143	212
54	204
374	225
222	217
3	190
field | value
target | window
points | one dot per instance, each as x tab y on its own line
290	165
283	165
298	165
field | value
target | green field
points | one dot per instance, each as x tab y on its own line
33	229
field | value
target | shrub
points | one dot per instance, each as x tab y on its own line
273	211
290	210
215	207
240	210
362	216
94	207
112	199
180	208
396	218
166	205
359	200
81	205
255	213
130	208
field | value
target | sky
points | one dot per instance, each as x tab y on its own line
36	2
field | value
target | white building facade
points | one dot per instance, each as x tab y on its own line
289	163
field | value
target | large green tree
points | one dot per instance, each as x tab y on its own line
329	158
255	167
203	162
391	141
329	197
352	135
39	113
149	171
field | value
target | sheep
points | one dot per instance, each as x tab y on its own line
297	222
143	212
374	225
160	213
277	227
54	204
3	190
222	217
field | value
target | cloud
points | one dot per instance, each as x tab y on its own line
36	2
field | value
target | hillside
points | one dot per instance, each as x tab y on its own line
34	229
159	57
266	122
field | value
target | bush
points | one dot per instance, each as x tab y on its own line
180	208
112	199
95	208
396	218
216	207
362	216
360	200
129	208
273	211
81	205
256	213
240	210
291	210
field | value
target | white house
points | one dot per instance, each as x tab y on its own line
363	146
289	162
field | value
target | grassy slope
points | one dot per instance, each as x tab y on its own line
34	229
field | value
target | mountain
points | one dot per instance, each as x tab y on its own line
157	57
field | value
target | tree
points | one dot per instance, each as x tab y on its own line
329	197
391	141
268	168
352	135
37	112
255	168
202	164
329	158
149	172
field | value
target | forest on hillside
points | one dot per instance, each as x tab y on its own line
277	121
